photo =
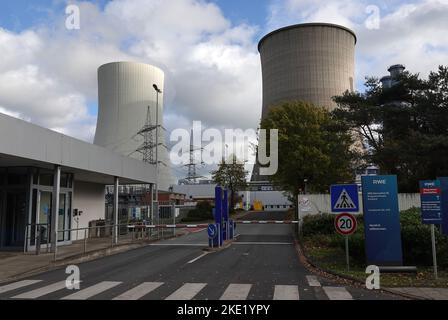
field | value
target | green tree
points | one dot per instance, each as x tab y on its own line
231	175
404	128
312	147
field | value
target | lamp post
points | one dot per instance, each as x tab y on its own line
158	91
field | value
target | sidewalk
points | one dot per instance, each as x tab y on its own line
15	265
423	293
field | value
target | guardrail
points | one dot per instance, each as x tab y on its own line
91	238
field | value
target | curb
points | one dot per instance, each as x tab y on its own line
303	255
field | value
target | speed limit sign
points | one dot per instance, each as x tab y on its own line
345	224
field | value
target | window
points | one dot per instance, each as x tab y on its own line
46	180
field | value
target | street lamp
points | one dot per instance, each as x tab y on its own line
158	91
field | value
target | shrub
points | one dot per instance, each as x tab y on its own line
202	212
416	238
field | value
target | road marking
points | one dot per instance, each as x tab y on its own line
265	243
92	291
179	245
139	291
286	293
187	292
236	292
34	294
17	285
337	293
196	259
312	281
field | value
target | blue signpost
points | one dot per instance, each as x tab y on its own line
431	201
213	235
444	189
344	198
431	208
382	220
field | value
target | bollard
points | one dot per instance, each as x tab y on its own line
38	240
85	241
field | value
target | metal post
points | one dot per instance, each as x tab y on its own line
116	196
174	220
347	256
55	209
434	251
85	241
38	240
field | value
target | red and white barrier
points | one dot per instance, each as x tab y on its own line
169	226
195	226
267	222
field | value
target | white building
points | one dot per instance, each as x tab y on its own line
46	176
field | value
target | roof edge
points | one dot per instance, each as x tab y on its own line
312	24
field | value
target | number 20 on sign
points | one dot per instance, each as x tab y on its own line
345	224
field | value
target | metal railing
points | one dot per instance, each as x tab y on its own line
93	238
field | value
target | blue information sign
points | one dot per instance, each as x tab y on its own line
212	231
431	201
344	198
382	220
444	188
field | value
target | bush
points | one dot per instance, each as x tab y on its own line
415	238
202	212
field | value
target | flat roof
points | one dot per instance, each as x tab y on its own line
304	25
25	144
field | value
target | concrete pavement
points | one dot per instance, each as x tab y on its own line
261	265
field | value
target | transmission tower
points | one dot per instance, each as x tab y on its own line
192	176
148	145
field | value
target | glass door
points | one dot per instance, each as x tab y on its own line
44	215
64	219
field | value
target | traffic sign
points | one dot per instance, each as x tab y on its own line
344	198
212	231
431	201
345	224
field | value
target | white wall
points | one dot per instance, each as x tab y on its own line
89	198
322	202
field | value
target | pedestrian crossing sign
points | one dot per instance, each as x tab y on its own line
344	198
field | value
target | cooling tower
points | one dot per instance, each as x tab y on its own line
125	91
312	62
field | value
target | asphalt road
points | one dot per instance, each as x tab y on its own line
262	264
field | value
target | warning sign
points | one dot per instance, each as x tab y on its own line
344	198
344	201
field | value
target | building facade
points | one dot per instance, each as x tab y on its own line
50	183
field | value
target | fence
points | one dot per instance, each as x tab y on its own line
321	203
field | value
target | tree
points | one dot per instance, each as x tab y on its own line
404	128
314	149
231	175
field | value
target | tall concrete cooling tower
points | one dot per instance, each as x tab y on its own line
125	91
311	62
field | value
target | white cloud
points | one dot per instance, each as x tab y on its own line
212	66
412	33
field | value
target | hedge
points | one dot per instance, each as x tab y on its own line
415	237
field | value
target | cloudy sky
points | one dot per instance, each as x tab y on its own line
208	50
